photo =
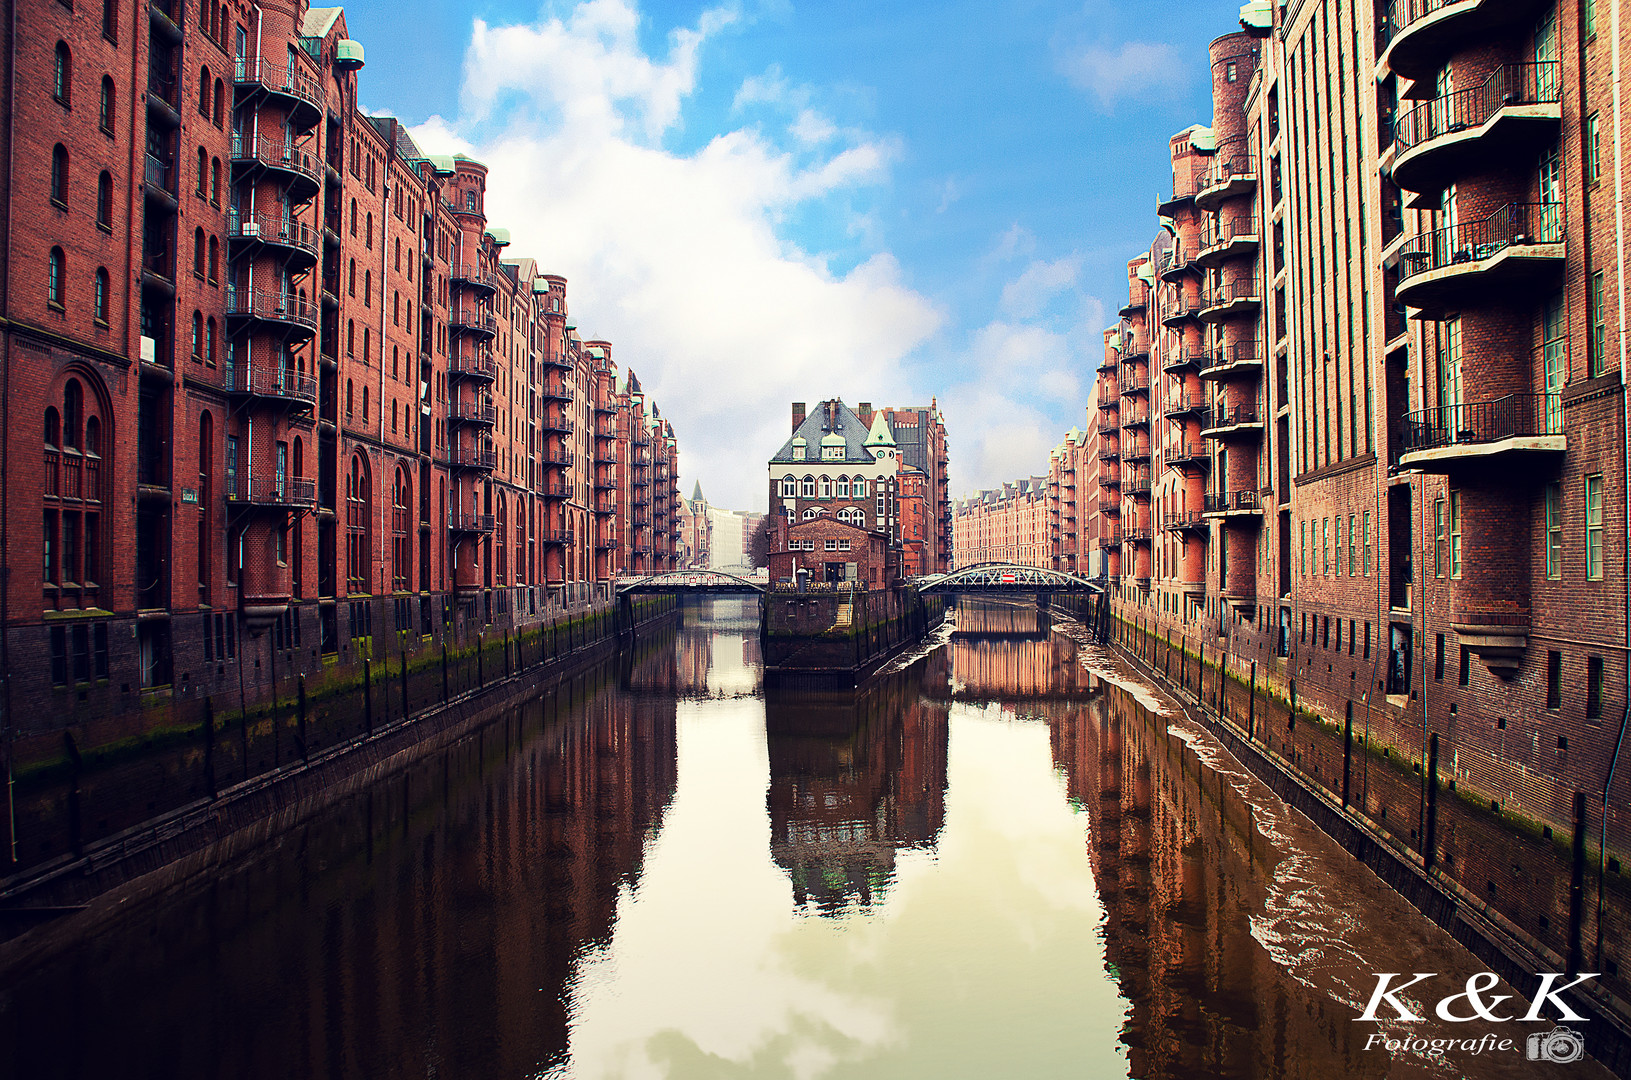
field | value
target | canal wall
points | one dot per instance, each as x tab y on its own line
1495	880
829	640
102	801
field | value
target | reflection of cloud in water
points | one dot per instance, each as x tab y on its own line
983	958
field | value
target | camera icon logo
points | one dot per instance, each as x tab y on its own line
1561	1045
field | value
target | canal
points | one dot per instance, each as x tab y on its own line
1008	856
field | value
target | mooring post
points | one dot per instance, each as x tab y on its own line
1430	829
209	745
300	722
1251	709
1577	887
445	696
1347	755
368	694
404	658
481	677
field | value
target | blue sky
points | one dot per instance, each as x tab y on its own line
760	201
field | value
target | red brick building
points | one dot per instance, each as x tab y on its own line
287	372
831	552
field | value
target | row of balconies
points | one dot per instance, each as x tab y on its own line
1516	249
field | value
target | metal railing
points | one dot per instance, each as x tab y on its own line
1218	502
275	154
1539	83
1217	233
472	411
469	521
462	457
464	318
1227	172
1228	356
473	277
1227	292
1512	416
1136	481
1134	379
1185	405
272	305
270	491
272	229
264	380
1513	225
559	425
1222	416
481	365
1186	521
279	79
557	391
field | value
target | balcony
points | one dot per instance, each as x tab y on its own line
471	320
1233	504
557	391
605	483
1135	350
606	543
1177	360
270	492
555	489
300	94
606	455
555	536
1188	523
1238	176
1134	305
606	408
470	277
1223	240
285	163
1136	482
1170	206
1518	107
553	458
560	425
1230	421
560	363
159	175
1517	249
1228	299
464	457
1502	432
1187	455
1179	310
297	241
1416	37
1185	405
1110	535
1135	417
1109	426
1135	536
478	366
1108	364
279	385
1109	401
1224	361
472	412
1135	380
466	521
1180	260
1111	452
1139	452
295	315
1110	478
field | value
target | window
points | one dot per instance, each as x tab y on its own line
1588	19
215	260
59	175
843	545
104	111
1554	680
1353	546
1440	538
1594	164
825	488
204	92
808	488
1230	72
198	337
99	297
1554	531
830	544
841	487
62	75
54	271
1594	527
198	253
1302	549
1438	658
1367	563
1597	318
1325	545
104	202
1594	688
110	20
1455	534
203	172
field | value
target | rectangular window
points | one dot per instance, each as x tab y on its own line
1440	538
82	653
1594	527
1554	680
1353	546
1438	659
831	544
1597	318
1367	544
59	656
99	647
1367	641
1588	19
1594	687
1339	545
1464	676
1325	545
1455	534
1594	164
1554	531
1302	550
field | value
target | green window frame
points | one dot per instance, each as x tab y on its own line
1554	531
1455	534
1594	527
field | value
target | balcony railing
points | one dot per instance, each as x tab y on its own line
1182	405
465	318
281	156
73	476
474	412
1509	417
1216	234
272	229
1228	177
1223	502
1239	290
1134	380
562	456
1136	482
1227	416
558	424
555	536
1218	359
270	305
464	457
291	491
469	521
474	277
479	366
264	380
1510	84
281	79
558	391
159	173
1513	225
1186	521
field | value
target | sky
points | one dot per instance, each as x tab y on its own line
765	201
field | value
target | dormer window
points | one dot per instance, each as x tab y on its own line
832	453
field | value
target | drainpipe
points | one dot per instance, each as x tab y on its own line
1625	466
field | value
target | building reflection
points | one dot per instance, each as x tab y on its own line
428	925
1008	650
1181	868
855	778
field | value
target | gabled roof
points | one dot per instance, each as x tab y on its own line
815	429
880	435
319	20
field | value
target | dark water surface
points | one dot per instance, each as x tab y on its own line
1008	858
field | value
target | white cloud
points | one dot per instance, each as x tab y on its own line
676	258
1033	290
1136	71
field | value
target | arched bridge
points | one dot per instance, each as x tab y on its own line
1006	578
691	582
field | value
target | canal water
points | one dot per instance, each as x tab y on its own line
1006	857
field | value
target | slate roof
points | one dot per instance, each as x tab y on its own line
814	429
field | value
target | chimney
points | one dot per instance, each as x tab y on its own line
865	413
798	414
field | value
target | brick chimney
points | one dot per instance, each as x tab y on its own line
798	414
865	413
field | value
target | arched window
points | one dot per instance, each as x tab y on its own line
209	341
104	201
215	181
55	268
220	102
353	217
808	489
73	409
206	455
349	412
59	175
365	352
500	530
351	337
401	548
223	20
198	252
395	362
53	427
858	489
215	260
62	75
824	486
204	92
393	417
358	513
198	337
351	279
203	162
810	514
370	230
368	288
841	488
365	404
104	112
99	298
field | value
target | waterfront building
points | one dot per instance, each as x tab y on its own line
288	374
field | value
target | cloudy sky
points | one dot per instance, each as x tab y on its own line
765	201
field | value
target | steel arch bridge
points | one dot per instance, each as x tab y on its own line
685	582
1007	578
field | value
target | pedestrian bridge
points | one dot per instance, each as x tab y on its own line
684	582
1006	579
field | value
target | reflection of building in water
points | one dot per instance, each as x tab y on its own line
1181	868
1002	650
854	778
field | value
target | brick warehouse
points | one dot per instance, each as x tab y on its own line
1361	438
1040	520
288	377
